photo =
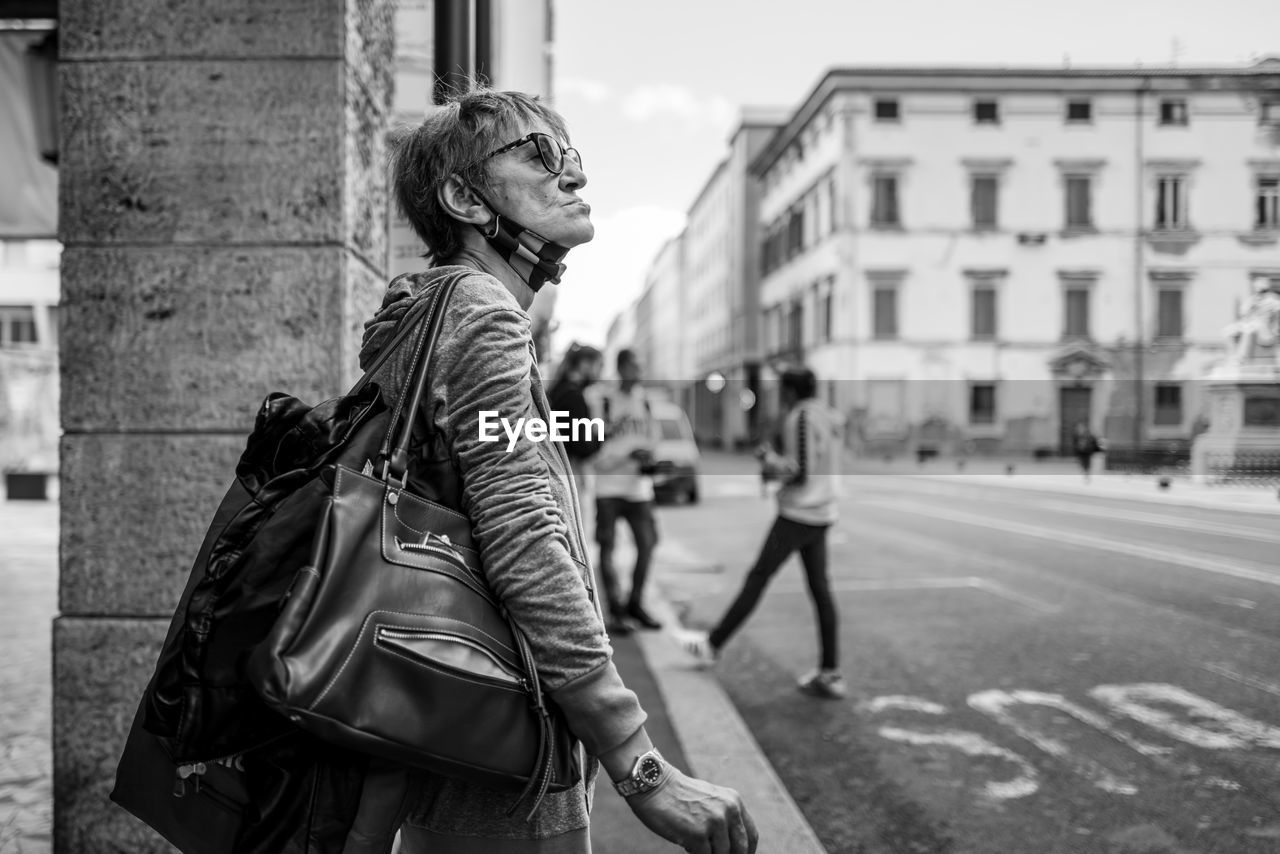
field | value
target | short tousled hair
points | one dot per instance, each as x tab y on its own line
626	356
801	382
451	140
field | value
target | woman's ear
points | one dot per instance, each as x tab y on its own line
461	202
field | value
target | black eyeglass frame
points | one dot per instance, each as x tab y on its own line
542	155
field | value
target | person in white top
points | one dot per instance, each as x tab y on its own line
808	465
624	488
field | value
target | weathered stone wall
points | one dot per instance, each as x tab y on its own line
223	212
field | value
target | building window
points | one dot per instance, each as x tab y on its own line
1079	190
795	327
986	112
1173	112
795	232
1168	409
886	110
884	312
1171	203
983	198
1269	113
982	403
17	325
822	306
1268	202
833	204
983	321
884	202
1169	313
1080	111
1075	313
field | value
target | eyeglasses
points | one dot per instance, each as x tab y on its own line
550	151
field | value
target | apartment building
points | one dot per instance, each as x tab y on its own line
978	259
721	289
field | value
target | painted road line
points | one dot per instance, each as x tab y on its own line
1224	530
972	744
1243	678
1191	560
997	704
1150	703
889	585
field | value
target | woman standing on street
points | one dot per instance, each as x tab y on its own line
490	183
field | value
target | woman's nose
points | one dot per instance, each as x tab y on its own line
573	177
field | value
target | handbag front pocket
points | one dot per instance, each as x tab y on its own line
447	651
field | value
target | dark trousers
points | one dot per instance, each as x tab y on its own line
784	538
644	530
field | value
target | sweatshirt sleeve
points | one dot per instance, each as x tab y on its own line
485	364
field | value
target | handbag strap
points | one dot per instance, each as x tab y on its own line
396	457
405	327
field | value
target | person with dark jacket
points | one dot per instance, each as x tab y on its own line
1084	445
490	183
579	369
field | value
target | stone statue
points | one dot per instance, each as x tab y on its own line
1257	326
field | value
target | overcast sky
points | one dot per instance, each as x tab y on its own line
651	90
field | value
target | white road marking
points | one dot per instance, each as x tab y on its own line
1164	521
997	704
1143	702
1192	560
1247	604
900	702
972	744
886	585
1242	678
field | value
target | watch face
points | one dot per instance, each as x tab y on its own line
650	770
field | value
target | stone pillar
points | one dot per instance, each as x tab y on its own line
223	211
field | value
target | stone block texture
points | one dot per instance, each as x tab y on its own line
99	670
144	29
223	205
192	338
223	152
134	512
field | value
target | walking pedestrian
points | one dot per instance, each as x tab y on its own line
808	465
1084	444
624	488
490	183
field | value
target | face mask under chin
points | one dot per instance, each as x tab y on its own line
534	258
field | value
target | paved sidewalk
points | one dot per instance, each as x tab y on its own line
28	602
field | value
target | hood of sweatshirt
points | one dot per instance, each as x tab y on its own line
402	294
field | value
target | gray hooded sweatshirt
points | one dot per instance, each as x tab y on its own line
524	514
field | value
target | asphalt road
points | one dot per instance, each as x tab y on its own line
1030	671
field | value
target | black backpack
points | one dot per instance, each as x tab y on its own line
199	715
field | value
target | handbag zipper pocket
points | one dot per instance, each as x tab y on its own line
450	652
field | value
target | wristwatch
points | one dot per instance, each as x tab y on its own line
650	770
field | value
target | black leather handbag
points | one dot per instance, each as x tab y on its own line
391	643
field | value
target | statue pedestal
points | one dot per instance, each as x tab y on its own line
1243	439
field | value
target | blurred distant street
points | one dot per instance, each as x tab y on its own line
1031	671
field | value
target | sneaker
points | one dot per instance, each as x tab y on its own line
641	616
698	645
827	684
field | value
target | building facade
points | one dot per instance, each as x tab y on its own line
976	260
719	321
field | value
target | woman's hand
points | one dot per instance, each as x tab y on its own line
700	817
